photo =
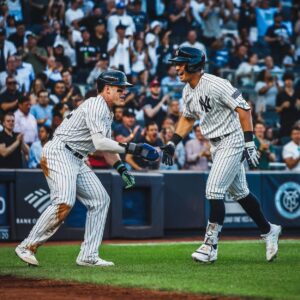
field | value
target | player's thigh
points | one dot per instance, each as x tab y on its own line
90	190
61	171
239	187
226	164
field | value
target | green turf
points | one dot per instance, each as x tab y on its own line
241	268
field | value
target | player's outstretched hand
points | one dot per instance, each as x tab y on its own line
251	154
168	153
143	150
127	177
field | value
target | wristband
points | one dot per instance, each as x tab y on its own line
120	167
176	139
248	136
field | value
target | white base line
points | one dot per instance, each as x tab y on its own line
284	241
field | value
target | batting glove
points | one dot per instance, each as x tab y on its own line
252	155
128	178
168	153
143	150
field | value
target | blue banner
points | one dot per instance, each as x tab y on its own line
4	226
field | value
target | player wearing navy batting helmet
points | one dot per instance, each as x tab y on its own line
225	120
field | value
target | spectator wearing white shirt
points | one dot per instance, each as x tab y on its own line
120	17
192	42
25	72
119	50
74	13
291	151
151	49
25	122
6	49
197	7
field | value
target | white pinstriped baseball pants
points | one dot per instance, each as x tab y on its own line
227	173
69	177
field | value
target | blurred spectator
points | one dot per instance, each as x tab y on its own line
192	41
75	13
18	38
25	122
60	111
288	105
9	98
118	114
139	62
61	57
269	65
291	151
231	18
196	9
247	71
180	20
25	73
297	30
212	12
59	92
76	100
120	17
151	137
239	56
119	50
53	69
151	50
7	49
87	55
35	55
35	152
70	88
171	84
56	11
197	152
101	66
10	25
179	156
139	17
267	88
127	131
155	109
37	85
99	37
47	34
247	17
12	146
164	53
277	36
174	110
38	9
42	111
267	152
15	8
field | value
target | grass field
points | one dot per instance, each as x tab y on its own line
241	268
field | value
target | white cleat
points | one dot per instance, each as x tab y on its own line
206	254
26	255
97	262
271	240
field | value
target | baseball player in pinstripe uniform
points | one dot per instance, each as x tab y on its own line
225	119
85	130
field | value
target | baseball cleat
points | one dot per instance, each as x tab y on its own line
206	254
271	240
26	255
98	262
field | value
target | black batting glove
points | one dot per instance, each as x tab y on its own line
168	153
128	178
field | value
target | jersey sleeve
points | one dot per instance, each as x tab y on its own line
97	118
187	106
231	96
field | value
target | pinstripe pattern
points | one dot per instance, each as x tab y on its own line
68	177
214	101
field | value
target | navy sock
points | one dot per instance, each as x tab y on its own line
252	207
217	211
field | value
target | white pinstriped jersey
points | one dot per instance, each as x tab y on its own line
92	116
213	101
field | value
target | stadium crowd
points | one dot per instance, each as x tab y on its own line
51	53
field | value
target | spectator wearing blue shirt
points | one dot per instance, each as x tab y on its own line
42	111
35	152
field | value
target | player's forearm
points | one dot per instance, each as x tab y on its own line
111	158
105	144
184	126
245	119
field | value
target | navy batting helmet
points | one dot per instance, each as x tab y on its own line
194	58
113	77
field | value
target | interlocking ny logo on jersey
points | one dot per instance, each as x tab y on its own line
205	106
39	199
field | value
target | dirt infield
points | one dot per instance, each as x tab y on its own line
28	289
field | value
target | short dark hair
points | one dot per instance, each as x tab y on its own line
42	91
151	123
7	114
295	127
287	76
23	99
